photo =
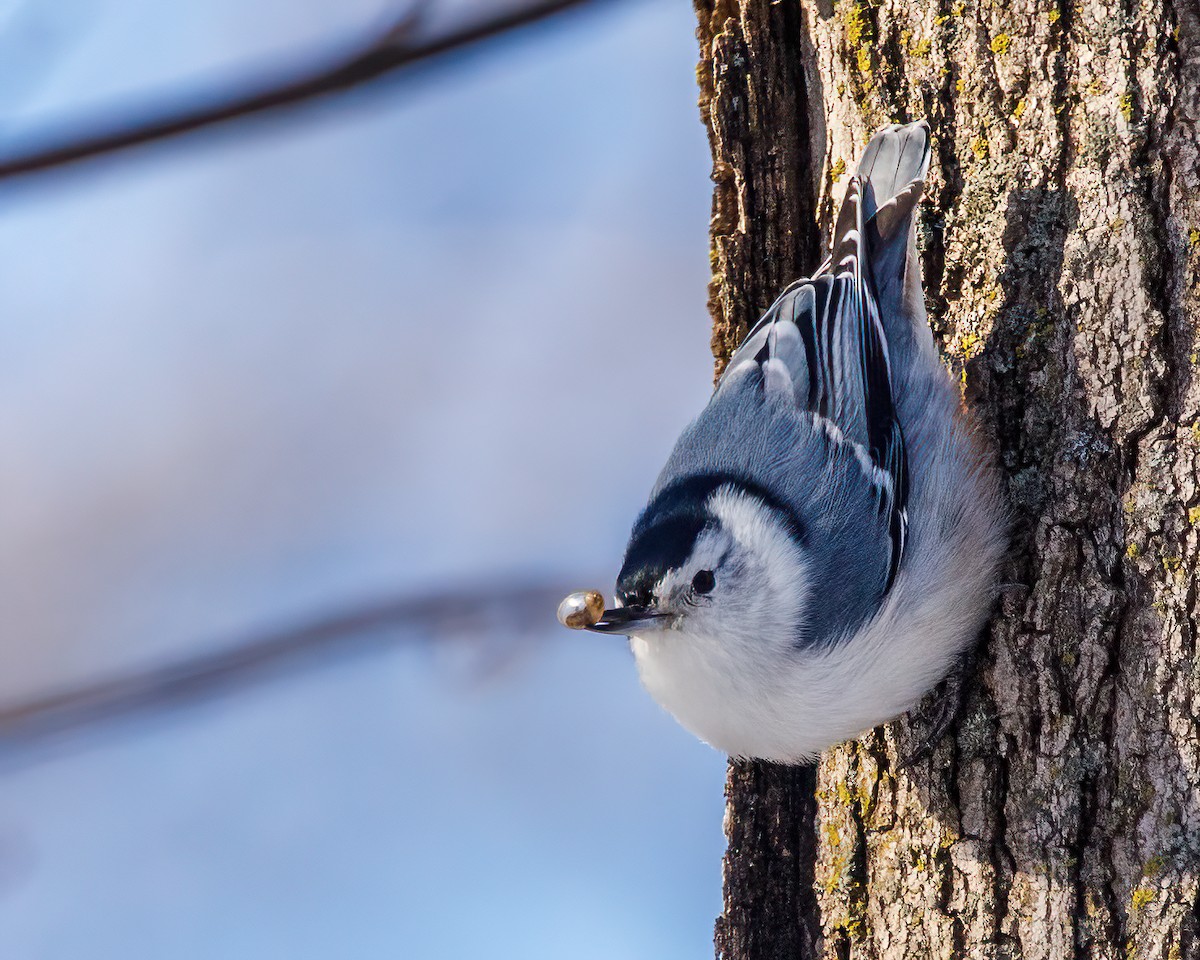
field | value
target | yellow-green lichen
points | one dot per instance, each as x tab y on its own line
1001	43
922	48
1125	105
1053	16
844	794
833	836
860	34
836	169
854	922
858	25
1133	551
1037	332
866	800
1194	516
1171	564
857	927
1094	87
979	147
1142	897
1116	224
1019	109
1194	237
1154	865
837	867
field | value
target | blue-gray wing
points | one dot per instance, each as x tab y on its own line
824	344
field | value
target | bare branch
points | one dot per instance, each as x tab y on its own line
394	49
472	612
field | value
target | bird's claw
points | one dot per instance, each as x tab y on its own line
943	713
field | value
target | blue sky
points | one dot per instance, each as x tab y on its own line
337	356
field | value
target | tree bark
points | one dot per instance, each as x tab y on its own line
1060	242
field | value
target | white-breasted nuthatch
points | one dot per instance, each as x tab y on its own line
824	540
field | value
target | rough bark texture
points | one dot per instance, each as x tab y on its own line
1061	249
770	897
754	98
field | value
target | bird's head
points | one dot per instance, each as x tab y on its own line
711	559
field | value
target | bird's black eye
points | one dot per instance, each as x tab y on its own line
704	581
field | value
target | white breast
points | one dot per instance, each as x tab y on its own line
752	694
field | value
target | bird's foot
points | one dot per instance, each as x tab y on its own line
943	713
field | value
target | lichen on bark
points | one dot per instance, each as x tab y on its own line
1060	244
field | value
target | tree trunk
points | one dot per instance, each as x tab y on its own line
1060	241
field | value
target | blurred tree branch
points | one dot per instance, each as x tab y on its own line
397	48
468	610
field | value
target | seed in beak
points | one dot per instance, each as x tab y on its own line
580	610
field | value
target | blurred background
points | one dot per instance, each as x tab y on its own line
418	351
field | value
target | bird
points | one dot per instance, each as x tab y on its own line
823	543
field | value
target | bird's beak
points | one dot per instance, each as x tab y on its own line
630	620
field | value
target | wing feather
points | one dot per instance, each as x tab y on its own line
824	344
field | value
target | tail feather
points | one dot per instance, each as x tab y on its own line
895	157
893	171
840	343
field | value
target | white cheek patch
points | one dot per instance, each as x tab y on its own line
757	532
723	667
